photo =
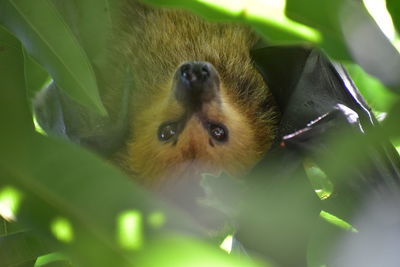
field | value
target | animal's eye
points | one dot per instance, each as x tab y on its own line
167	131
218	132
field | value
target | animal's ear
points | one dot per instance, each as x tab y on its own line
61	116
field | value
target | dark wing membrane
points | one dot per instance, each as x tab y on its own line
325	119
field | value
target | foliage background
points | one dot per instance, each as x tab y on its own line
57	197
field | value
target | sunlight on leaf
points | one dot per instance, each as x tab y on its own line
37	126
36	77
180	251
270	12
273	13
227	244
377	9
130	230
62	230
10	199
49	258
319	180
232	7
156	219
330	218
375	93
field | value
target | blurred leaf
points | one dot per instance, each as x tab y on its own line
3	226
76	193
323	241
318	178
60	263
267	17
393	7
19	248
339	27
15	117
379	58
54	259
347	27
35	76
45	35
222	192
93	37
189	252
391	124
25	264
326	16
375	93
7	228
323	16
16	121
278	215
332	219
10	200
58	179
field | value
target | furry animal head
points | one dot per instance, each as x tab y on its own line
200	106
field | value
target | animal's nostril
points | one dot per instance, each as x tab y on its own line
195	71
185	68
205	71
195	83
187	73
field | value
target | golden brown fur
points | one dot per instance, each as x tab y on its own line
154	42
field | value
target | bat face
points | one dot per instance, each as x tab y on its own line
193	126
198	105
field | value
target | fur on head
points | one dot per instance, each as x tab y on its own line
156	43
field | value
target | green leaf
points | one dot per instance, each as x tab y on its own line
16	122
347	27
312	21
60	182
36	78
222	192
86	193
20	248
318	179
54	259
393	7
337	221
190	252
324	16
15	116
93	37
375	93
267	17
48	39
324	240
391	124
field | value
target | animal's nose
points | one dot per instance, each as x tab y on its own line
195	72
196	82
